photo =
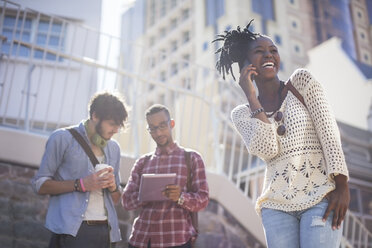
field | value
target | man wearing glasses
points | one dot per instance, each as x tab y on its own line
166	223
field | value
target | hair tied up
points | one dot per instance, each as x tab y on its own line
235	44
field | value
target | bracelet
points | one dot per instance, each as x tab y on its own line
256	112
76	185
82	185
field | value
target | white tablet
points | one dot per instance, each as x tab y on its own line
152	185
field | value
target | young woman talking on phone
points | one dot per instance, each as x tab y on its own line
288	124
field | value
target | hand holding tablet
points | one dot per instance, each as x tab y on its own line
153	185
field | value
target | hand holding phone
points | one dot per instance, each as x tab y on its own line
246	78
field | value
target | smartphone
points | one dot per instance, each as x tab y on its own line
247	62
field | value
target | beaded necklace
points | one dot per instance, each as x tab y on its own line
280	90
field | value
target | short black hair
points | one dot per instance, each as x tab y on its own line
156	108
108	106
235	47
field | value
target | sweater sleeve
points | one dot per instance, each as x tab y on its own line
325	125
260	138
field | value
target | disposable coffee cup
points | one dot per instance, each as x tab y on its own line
101	167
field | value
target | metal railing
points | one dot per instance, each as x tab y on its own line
45	87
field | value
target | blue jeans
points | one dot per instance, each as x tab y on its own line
303	229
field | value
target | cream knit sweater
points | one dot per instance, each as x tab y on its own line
300	164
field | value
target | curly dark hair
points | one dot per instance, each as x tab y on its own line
234	49
108	106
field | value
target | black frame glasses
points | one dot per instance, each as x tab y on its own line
162	126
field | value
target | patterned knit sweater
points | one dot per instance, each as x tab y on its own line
300	163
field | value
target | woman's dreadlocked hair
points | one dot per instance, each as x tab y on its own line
234	48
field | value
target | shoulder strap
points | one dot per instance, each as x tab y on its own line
188	164
146	159
84	145
294	91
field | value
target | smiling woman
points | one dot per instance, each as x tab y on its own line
289	125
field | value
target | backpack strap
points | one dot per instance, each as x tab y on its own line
188	164
194	215
146	159
84	145
294	91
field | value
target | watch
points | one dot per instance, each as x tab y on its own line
180	200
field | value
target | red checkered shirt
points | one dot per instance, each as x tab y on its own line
166	223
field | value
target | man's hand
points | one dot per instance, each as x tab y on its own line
100	180
338	201
172	192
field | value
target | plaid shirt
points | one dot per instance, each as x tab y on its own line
166	223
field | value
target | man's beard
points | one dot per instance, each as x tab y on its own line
99	129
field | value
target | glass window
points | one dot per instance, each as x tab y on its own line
174	46
265	8
163	9
21	32
186	60
185	14
297	48
278	39
294	24
214	10
359	14
47	34
205	46
366	57
173	3
186	36
174	69
163	76
173	24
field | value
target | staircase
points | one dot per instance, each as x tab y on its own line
46	85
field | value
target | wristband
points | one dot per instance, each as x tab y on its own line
82	185
76	185
256	112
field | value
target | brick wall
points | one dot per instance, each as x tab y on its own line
22	215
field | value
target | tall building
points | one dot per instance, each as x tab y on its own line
349	20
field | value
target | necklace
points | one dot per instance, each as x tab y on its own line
280	90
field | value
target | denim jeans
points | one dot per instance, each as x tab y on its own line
303	229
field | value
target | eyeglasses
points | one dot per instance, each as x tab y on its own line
164	125
279	119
